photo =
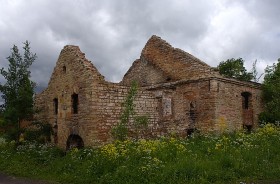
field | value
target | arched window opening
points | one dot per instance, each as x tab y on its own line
247	111
74	141
246	98
192	114
192	117
55	104
75	103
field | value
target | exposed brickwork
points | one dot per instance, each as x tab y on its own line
169	64
178	93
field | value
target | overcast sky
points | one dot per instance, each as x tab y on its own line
112	33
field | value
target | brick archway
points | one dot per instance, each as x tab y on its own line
74	141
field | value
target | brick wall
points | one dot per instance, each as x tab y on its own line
167	63
99	102
177	93
229	105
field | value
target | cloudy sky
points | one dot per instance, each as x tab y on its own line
112	33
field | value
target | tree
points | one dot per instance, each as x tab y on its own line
234	68
18	90
255	74
271	95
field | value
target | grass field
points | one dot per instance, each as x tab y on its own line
232	158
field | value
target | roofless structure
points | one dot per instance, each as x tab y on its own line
178	93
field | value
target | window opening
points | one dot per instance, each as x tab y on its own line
192	113
64	69
75	102
192	117
246	100
55	104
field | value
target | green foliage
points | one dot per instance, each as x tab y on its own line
39	131
140	124
271	95
234	68
120	132
18	90
234	158
129	117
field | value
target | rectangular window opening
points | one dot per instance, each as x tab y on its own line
55	104
75	102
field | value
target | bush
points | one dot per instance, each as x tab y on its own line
38	131
232	158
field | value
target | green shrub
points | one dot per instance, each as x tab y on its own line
232	158
38	131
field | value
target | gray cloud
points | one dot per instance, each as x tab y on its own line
112	33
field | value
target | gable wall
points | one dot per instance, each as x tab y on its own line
197	101
176	63
144	73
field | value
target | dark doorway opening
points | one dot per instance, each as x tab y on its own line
74	141
190	131
248	128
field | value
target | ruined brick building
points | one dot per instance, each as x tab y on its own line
178	93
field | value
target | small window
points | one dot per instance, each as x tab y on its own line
75	103
64	69
55	104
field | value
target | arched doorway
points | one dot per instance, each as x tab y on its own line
247	110
74	141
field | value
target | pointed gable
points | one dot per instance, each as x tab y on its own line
72	65
176	63
168	63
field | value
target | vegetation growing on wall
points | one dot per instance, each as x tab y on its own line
129	117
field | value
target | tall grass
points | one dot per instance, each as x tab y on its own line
232	158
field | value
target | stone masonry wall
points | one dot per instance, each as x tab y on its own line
99	102
144	73
107	108
73	74
229	105
160	62
192	106
177	93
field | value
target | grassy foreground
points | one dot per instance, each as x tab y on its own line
234	158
